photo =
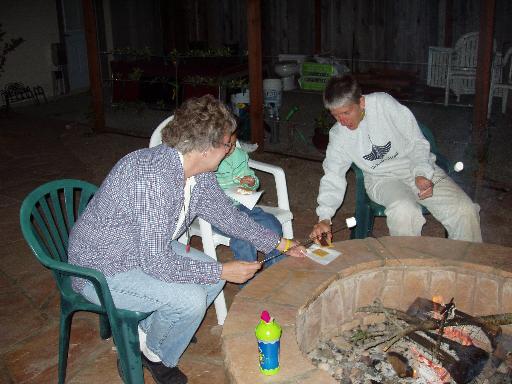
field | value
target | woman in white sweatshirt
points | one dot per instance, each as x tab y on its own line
382	137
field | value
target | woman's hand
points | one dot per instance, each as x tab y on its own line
425	186
291	247
239	271
321	230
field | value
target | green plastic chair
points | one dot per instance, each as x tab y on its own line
46	217
367	210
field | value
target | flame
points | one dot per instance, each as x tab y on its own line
458	335
441	373
438	302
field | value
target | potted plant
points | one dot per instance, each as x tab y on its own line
126	87
323	123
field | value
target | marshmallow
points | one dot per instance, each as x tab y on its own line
459	166
351	222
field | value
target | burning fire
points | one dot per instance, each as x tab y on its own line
452	333
458	335
438	302
428	370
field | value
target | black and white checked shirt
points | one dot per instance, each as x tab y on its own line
130	221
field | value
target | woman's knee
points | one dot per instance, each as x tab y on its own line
191	303
405	218
467	208
196	299
404	210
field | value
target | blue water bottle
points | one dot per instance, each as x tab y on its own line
268	333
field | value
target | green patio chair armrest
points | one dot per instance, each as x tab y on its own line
95	277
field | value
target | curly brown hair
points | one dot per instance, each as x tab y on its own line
199	124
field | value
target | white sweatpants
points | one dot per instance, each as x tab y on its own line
449	205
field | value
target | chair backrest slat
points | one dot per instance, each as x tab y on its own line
69	204
59	216
51	213
40	225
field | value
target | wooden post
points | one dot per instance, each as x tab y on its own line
168	36
318	26
448	23
91	38
255	72
482	83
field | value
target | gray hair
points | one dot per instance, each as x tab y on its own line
341	91
199	124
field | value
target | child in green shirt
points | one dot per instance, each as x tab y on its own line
234	171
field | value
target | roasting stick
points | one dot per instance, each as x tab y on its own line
459	166
350	222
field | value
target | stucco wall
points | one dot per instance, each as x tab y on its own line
36	22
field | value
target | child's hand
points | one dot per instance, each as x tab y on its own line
248	180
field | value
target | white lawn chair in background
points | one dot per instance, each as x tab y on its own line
461	71
500	88
454	69
212	239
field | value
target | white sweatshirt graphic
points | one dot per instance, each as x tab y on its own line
388	143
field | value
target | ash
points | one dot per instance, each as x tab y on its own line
358	357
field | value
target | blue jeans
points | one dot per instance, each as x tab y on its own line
178	308
245	251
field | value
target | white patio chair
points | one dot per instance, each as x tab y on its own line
461	71
455	68
500	88
212	239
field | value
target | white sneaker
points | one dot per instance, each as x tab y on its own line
150	355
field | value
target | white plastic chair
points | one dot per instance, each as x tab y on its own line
212	239
461	74
500	88
455	68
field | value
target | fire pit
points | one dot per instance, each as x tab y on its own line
316	304
431	343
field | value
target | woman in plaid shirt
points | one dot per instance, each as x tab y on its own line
130	228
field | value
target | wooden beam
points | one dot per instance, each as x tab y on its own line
255	72
482	83
93	61
318	26
168	37
448	23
